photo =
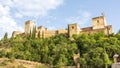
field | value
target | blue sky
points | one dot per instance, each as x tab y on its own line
56	14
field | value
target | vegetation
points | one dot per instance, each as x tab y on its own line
8	63
56	51
96	50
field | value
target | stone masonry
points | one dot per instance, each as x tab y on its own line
98	25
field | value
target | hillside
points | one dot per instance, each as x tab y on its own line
96	50
9	63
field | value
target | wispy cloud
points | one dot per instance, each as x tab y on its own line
82	17
32	7
7	23
10	9
51	27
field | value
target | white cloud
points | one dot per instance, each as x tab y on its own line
6	2
32	7
10	9
51	27
18	15
7	23
4	10
81	18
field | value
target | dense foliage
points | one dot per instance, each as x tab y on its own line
96	50
57	51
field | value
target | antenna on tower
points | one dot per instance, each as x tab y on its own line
104	18
103	14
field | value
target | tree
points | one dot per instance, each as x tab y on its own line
30	34
68	31
96	50
34	32
39	35
42	34
106	59
118	32
5	36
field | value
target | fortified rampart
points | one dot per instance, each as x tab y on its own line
98	25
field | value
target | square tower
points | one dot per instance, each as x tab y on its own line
29	25
99	22
73	29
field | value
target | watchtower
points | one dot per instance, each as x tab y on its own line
99	22
73	29
29	25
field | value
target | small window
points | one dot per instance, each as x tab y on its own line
97	21
72	27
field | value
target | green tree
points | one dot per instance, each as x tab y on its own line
6	35
34	32
42	34
39	35
106	59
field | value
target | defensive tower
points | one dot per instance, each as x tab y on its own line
29	25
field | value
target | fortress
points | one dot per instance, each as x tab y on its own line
98	25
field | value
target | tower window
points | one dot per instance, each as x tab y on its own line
97	21
72	27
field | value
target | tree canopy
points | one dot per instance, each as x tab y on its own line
96	50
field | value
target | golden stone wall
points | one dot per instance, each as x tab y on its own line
49	33
15	33
98	25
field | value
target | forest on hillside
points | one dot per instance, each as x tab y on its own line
96	50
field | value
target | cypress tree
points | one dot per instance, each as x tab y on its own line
39	34
34	32
30	34
68	31
5	36
42	34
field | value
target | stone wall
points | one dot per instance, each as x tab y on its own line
107	30
15	33
117	65
98	25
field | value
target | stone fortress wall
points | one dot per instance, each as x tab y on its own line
98	25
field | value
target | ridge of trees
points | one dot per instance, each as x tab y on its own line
96	50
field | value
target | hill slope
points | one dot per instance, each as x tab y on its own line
17	63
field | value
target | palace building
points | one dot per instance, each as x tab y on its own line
98	25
